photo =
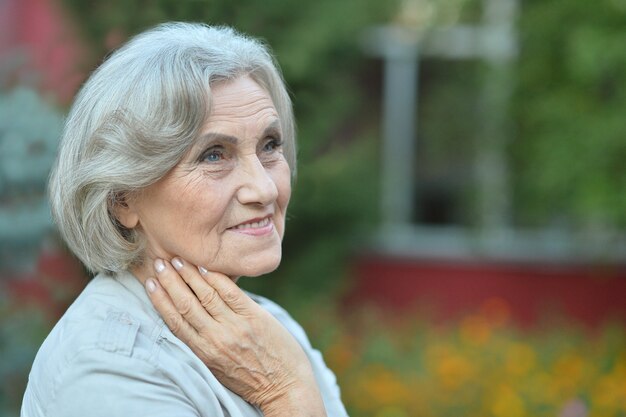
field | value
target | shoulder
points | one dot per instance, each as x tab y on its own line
101	346
112	355
100	382
105	317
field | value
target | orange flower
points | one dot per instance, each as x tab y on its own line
475	330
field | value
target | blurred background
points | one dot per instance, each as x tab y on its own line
457	235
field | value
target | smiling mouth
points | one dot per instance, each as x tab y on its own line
253	225
260	227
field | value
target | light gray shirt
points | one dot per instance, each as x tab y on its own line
112	355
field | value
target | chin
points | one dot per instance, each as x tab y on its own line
257	271
256	267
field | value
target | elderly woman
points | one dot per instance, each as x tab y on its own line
172	180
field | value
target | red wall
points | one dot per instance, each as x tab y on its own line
530	292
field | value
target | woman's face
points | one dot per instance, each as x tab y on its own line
223	206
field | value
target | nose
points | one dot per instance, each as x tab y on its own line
257	186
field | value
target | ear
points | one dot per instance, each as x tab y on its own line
123	210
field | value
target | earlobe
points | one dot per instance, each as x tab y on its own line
124	212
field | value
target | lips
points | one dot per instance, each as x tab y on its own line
260	226
253	224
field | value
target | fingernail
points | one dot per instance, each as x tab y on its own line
159	265
202	270
178	264
150	285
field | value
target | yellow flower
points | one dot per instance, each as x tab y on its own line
506	402
520	359
569	373
379	387
609	394
452	369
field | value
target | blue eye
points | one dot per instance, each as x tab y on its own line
213	155
272	145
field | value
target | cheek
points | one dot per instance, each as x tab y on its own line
207	209
191	208
282	179
283	184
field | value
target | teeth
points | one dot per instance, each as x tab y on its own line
254	225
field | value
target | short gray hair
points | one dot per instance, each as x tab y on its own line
135	118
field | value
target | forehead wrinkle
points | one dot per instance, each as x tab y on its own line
229	112
226	102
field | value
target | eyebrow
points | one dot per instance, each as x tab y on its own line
271	129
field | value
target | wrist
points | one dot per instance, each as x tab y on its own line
303	400
300	398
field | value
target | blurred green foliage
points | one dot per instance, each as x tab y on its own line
569	153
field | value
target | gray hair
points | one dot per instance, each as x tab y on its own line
133	121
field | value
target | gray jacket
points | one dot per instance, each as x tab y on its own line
112	355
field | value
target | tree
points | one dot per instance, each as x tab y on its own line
570	151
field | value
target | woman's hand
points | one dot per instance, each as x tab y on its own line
244	346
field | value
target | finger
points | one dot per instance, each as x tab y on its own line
233	296
183	299
168	312
208	297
